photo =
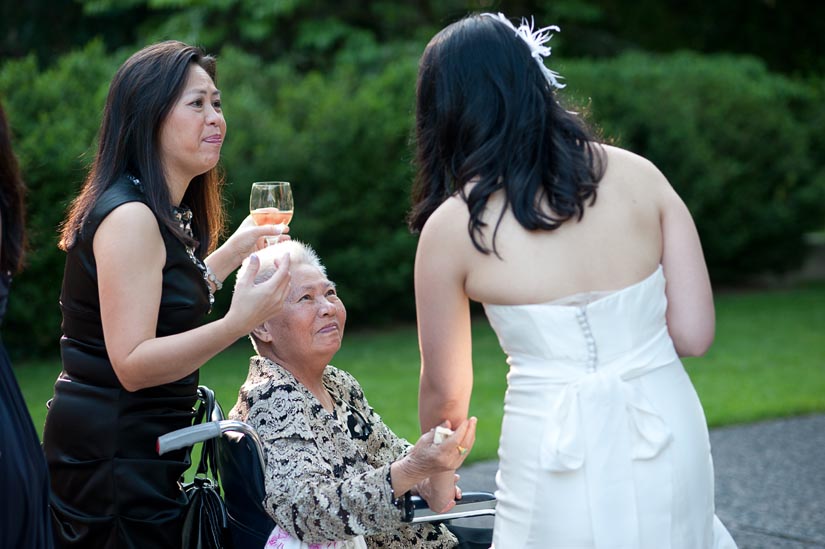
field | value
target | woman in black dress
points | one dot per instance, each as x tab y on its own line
139	279
24	521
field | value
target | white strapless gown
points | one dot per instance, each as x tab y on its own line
604	443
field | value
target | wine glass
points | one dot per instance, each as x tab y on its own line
270	203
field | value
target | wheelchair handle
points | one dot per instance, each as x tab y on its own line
188	436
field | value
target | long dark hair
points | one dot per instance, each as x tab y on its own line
141	95
12	204
485	111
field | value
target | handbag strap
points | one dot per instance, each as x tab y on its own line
204	413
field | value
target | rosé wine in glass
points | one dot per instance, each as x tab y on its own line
271	216
270	202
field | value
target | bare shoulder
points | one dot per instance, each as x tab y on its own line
625	161
131	216
131	226
628	168
132	212
444	247
448	220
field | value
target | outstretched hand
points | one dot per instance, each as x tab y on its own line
436	464
448	455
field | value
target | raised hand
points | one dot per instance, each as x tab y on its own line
249	238
253	303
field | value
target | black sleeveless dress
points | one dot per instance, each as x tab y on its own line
110	489
24	480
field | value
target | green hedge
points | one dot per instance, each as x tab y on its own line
735	140
342	140
742	146
54	116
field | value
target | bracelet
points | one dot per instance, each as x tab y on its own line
403	503
210	276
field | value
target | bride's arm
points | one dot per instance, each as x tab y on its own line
443	311
690	311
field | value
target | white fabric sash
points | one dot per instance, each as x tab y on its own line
605	422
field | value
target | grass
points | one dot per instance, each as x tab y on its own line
768	361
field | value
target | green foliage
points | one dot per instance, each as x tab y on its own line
787	35
341	138
54	117
734	140
739	143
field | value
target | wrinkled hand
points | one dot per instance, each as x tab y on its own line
249	238
252	303
437	464
426	490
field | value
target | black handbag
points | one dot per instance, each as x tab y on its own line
205	523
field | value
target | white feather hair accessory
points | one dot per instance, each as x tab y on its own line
535	40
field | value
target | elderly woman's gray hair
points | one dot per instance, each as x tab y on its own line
299	254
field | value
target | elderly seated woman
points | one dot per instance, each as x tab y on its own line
334	471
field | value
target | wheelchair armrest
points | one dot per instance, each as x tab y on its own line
189	436
471	504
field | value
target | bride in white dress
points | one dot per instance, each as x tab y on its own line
591	272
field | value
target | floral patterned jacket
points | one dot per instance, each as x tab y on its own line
321	482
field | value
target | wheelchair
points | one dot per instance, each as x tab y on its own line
239	460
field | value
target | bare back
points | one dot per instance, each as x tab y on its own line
637	222
617	242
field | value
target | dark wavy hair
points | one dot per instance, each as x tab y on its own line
485	112
141	96
12	204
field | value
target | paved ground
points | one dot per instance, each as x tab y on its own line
770	482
